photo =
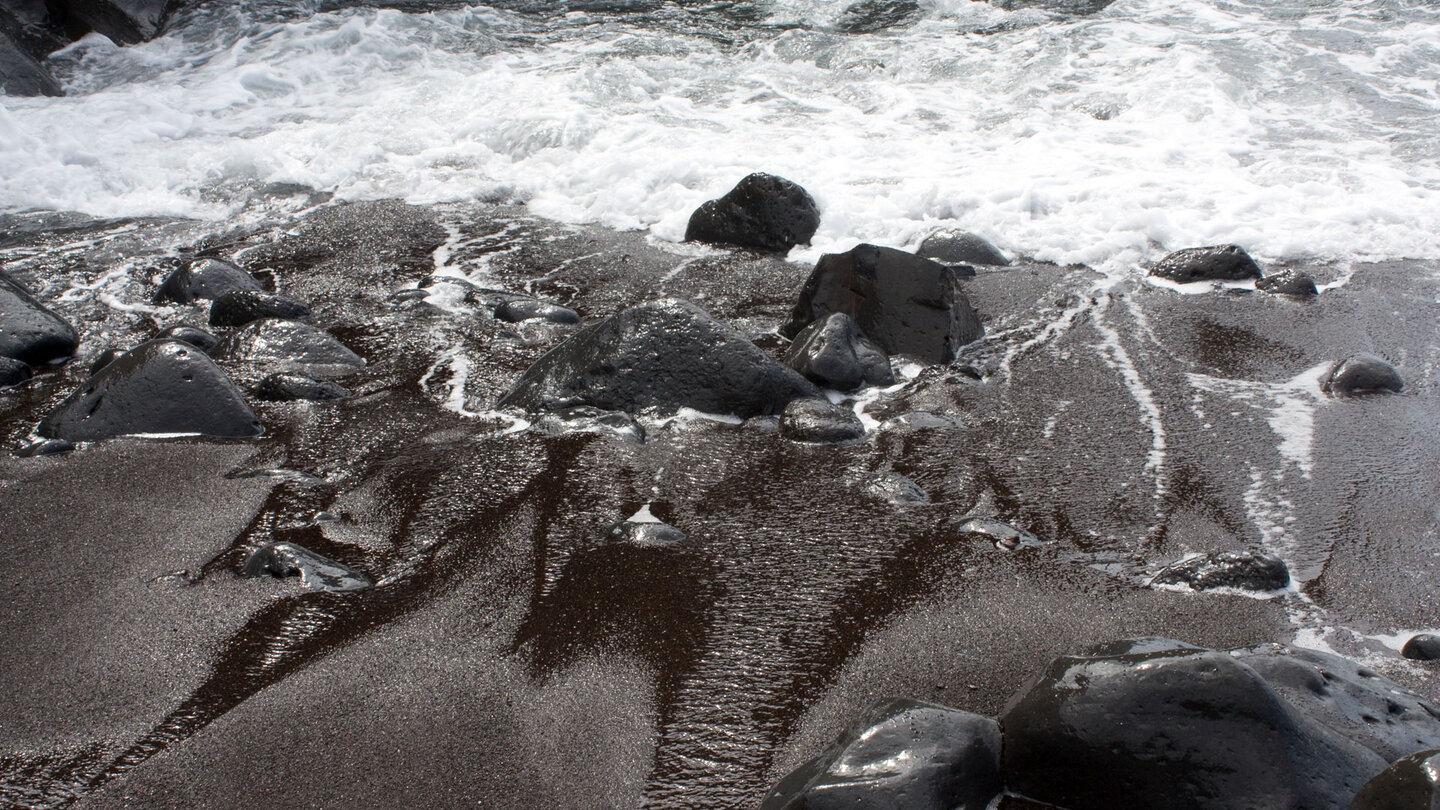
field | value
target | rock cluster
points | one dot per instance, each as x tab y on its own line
32	29
1231	263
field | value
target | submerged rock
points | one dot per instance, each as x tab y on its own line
646	533
161	386
1002	534
204	279
587	419
239	307
1288	282
1246	570
1214	263
900	755
820	421
12	372
282	345
517	310
958	247
194	335
1422	647
906	304
1410	783
869	16
281	560
284	387
1362	374
29	331
666	355
897	490
1181	729
46	447
21	74
833	352
762	211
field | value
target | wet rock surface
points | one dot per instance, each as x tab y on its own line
282	560
834	353
204	279
283	387
1422	647
1215	263
958	247
12	372
869	16
21	74
1246	570
820	421
274	343
1411	783
762	211
240	307
1288	282
1362	374
29	331
194	335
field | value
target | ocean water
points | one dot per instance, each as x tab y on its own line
1303	131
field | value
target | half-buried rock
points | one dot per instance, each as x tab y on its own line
274	344
833	352
283	387
661	355
162	386
1288	282
1214	263
958	247
1246	570
1422	647
900	755
12	372
204	279
906	304
1410	783
1362	374
762	211
820	421
239	307
282	560
29	331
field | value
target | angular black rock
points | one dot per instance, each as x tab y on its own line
105	358
280	345
12	372
46	447
239	307
833	352
194	335
666	355
124	21
1422	647
868	16
1362	374
959	247
897	490
284	387
900	755
820	421
1002	534
1214	263
1353	700
517	310
1182	729
160	386
1410	783
282	560
21	74
649	533
762	211
1288	282
906	304
205	278
1247	570
29	331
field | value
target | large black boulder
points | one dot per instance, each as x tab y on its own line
662	355
161	386
906	304
1246	570
762	211
1213	263
1362	374
274	344
958	247
204	278
820	421
29	331
12	372
1174	728
1410	783
900	755
239	307
21	74
123	21
833	352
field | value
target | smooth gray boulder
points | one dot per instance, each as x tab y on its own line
762	211
900	755
161	386
662	355
1362	374
959	247
834	353
204	279
275	344
29	331
1213	263
906	304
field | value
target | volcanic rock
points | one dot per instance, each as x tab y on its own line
161	386
46	447
666	355
194	335
105	358
762	211
958	247
282	560
517	310
21	74
281	345
1246	570
12	372
820	421
646	533
283	387
900	754
1288	282
1003	535
1362	374
1422	647
206	278
239	307
1410	783
587	419
1181	729
906	304
29	331
126	22
833	352
869	16
897	490
1215	263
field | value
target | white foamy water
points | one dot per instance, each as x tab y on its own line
1298	130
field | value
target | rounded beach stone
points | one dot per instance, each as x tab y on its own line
282	560
240	307
1422	647
1362	374
833	352
1246	570
820	421
1410	783
762	211
517	310
29	331
1288	282
958	247
204	279
285	387
1214	263
105	358
12	372
275	344
46	447
194	335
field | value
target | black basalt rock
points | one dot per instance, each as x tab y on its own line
662	355
29	331
1214	263
283	387
646	534
126	22
820	421
1246	570
901	754
1288	282
906	304
1180	729
1410	783
959	247
1004	536
21	74
518	310
896	490
239	307
105	358
274	344
1422	647
833	352
194	335
12	372
1362	374
281	560
161	386
762	211
869	16
46	447
204	279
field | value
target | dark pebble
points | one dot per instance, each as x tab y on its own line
1422	647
